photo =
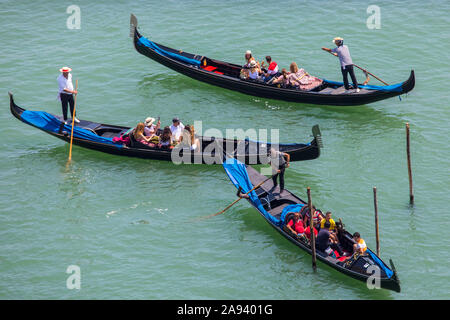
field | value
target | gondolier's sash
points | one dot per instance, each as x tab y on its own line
237	172
147	43
49	122
392	88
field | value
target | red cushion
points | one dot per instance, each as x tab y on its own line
218	72
209	68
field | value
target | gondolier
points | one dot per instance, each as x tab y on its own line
342	52
279	161
66	92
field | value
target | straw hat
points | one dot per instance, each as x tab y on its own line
149	121
65	69
338	39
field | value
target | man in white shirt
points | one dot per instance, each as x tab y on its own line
177	129
66	92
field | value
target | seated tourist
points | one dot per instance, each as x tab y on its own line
177	129
245	68
360	245
254	71
300	79
282	80
188	138
138	135
327	242
151	129
165	139
328	219
317	217
272	69
295	224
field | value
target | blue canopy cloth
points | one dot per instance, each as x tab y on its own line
237	172
149	44
49	122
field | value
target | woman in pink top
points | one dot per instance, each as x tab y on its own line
300	79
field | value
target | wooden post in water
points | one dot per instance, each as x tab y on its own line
375	203
311	228
408	154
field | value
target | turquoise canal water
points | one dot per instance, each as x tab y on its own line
127	223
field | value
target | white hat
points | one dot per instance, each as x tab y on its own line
149	121
248	52
253	64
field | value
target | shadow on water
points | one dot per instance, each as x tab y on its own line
86	158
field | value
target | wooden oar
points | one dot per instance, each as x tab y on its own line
364	70
73	121
234	202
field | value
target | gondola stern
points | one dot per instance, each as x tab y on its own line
15	109
317	136
395	280
133	25
409	84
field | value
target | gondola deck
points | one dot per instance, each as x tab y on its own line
99	137
226	75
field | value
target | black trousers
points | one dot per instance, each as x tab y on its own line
348	69
337	247
275	177
66	99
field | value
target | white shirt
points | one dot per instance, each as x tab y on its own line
64	83
177	131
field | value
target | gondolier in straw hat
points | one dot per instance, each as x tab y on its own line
342	52
66	92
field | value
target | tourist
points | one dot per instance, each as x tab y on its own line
177	129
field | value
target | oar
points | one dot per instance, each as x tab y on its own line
364	70
235	201
73	121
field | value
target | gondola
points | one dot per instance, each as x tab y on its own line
226	75
100	137
275	208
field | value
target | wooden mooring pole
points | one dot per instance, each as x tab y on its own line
311	229
408	154
377	235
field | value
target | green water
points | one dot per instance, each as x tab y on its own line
127	222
